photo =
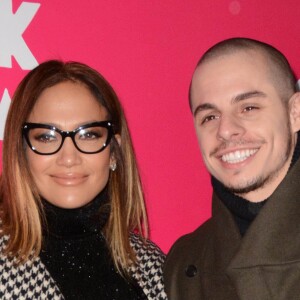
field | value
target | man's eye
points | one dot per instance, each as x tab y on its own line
209	118
250	108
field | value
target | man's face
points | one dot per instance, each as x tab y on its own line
243	127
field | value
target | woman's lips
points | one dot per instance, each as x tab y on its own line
69	179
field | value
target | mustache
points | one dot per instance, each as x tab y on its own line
226	144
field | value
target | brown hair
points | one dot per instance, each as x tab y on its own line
280	70
21	209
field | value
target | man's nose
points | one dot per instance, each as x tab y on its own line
230	128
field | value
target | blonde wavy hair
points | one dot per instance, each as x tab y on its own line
21	207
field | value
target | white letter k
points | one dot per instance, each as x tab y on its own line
12	27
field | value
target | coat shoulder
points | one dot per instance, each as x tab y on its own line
181	269
14	278
190	244
148	270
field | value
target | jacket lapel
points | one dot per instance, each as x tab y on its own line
270	250
225	238
274	236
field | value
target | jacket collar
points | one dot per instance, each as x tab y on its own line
272	238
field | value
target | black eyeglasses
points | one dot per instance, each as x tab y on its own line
46	139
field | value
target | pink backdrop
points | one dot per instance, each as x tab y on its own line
147	50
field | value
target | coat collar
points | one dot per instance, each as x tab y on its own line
274	236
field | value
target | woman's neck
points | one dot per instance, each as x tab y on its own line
88	219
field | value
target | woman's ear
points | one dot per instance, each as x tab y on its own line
294	105
113	162
118	139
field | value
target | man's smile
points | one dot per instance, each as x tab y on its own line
238	155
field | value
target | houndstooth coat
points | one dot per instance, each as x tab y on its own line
32	280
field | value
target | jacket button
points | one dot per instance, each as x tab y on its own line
190	271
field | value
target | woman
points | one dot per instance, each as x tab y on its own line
71	195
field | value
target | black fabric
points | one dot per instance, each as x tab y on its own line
75	253
244	211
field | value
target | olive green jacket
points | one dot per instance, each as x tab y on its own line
214	262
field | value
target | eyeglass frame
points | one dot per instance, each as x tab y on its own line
106	124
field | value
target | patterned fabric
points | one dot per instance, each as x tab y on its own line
31	280
148	272
27	281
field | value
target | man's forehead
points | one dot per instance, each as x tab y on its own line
235	73
214	67
234	55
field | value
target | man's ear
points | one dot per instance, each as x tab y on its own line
294	106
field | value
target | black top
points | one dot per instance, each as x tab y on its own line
75	253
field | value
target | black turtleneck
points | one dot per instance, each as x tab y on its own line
75	253
244	211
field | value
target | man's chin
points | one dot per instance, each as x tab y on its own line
245	188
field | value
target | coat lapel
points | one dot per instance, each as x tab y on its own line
274	236
225	238
270	250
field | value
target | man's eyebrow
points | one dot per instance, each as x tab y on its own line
235	99
247	95
204	106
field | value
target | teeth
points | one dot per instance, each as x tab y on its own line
238	156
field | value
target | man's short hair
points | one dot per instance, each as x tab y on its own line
280	70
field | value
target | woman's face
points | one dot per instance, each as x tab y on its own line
68	178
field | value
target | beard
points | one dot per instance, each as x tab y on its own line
261	181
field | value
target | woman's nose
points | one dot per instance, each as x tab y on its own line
68	155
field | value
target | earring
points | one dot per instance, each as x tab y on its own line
113	166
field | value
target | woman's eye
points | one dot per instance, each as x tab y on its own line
45	138
90	135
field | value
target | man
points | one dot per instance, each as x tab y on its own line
247	116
